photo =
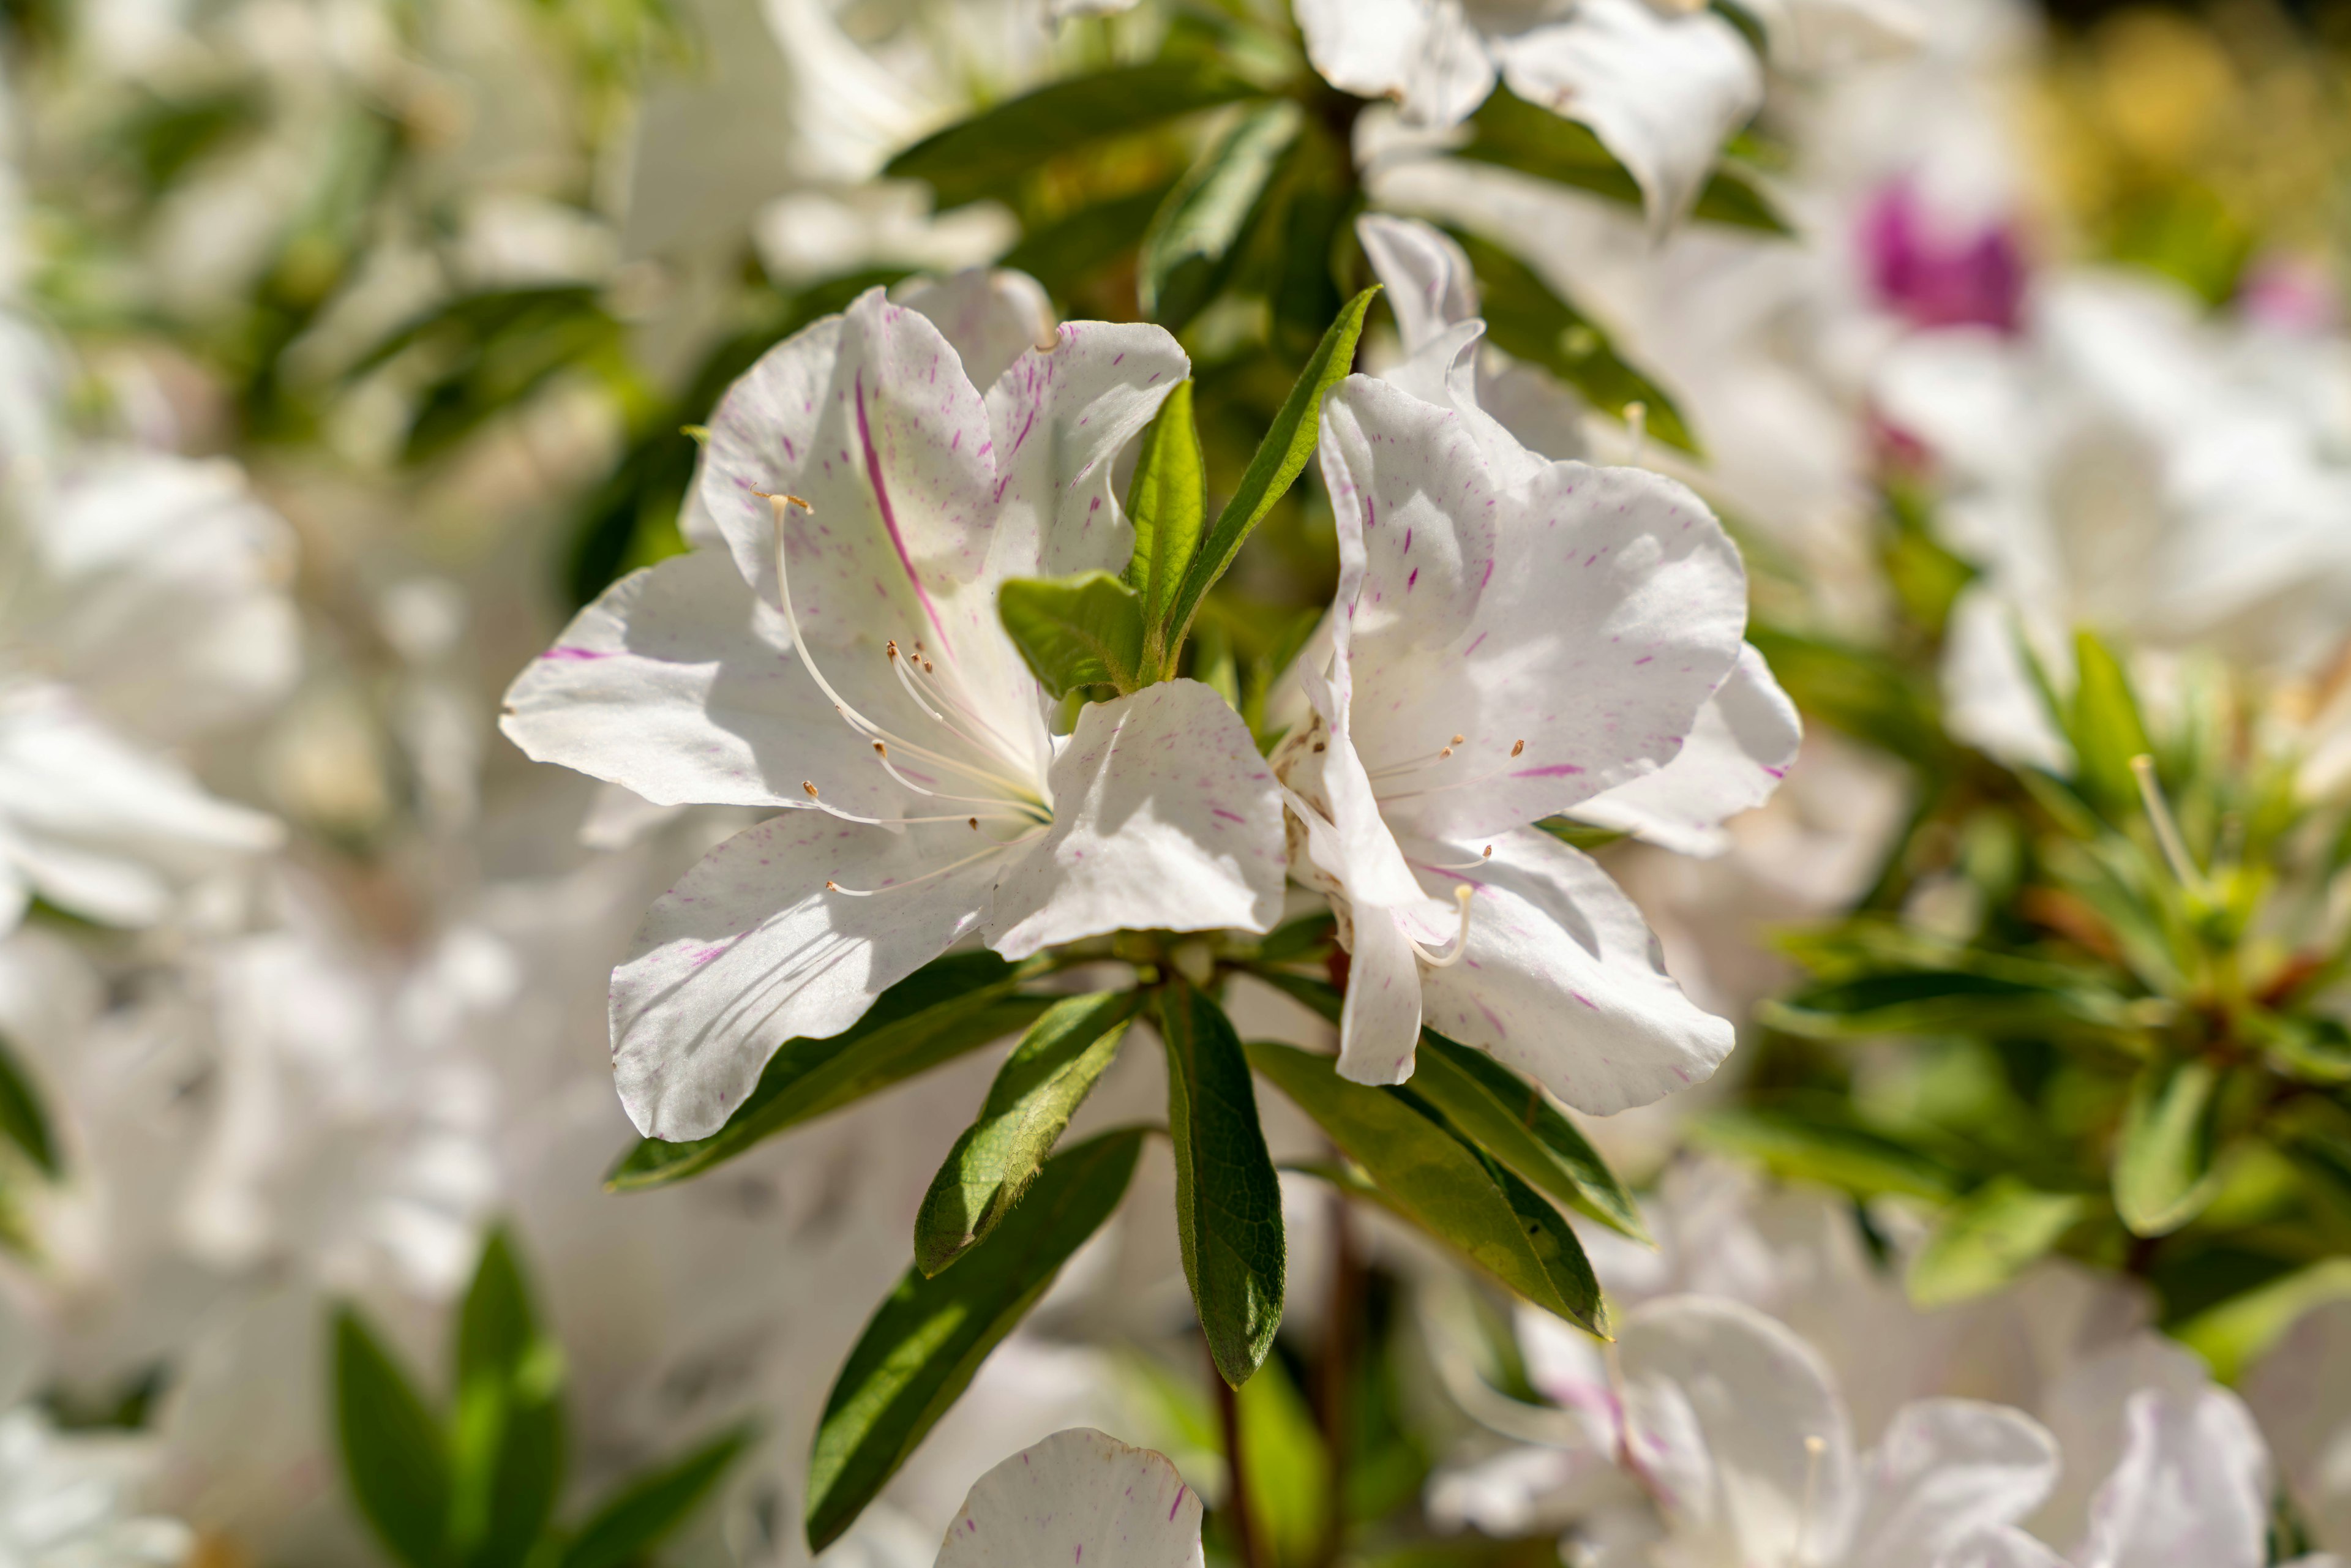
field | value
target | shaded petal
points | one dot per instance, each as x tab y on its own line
2003	1548
990	316
2301	1392
1720	1403
2193	1486
1429	280
1989	698
1079	1497
1589	613
750	950
681	686
1563	979
1379	1026
1423	54
1661	92
1946	1470
1743	744
1165	816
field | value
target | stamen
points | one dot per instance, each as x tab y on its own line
1432	759
882	755
1483	856
832	887
1516	748
2167	827
1636	422
1461	895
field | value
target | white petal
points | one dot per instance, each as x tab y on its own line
1165	816
1589	613
1989	697
680	686
1741	747
1563	979
2003	1548
1424	54
749	950
990	316
2301	1394
1080	1497
1427	277
2193	1486
1947	1469
1379	1026
1735	1416
1661	92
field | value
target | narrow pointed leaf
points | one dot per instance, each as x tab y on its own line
1228	1197
648	1507
1428	1173
22	1120
2107	727
1280	458
396	1455
1167	503
508	1454
1190	248
954	1005
1038	1089
1989	1238
2163	1169
920	1351
1512	1120
1081	630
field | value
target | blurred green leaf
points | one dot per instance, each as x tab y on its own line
920	1351
1288	1469
1821	1143
1038	1089
396	1455
948	1006
1933	1001
2107	728
1426	1171
1063	254
23	1119
488	352
1075	632
508	1453
1228	1198
1860	691
2163	1166
1582	835
644	1510
1988	1237
994	147
1526	319
1190	248
1512	133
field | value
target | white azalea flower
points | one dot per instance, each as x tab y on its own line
1078	1496
2301	1391
846	665
142	602
1746	736
1660	83
68	1502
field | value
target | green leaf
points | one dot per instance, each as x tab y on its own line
1582	835
1861	690
1527	320
997	147
23	1119
1424	1170
919	1353
1512	1120
1064	254
1193	242
1289	1467
948	1006
1512	133
395	1457
1279	460
1038	1089
1989	1237
1822	1144
2107	728
1948	1001
1081	630
509	1449
1167	503
2163	1167
643	1510
1228	1197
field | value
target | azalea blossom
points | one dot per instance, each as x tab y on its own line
840	660
1511	639
70	1500
1079	1497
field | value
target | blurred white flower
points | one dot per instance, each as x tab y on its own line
70	1500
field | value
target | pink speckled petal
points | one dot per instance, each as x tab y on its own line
1587	613
1164	816
749	950
677	684
1741	747
1379	1026
1563	979
1429	282
1081	1499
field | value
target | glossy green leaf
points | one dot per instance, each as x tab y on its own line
508	1453
23	1119
1426	1171
1820	1144
2163	1166
994	147
1527	320
951	1006
1194	240
1280	458
1168	503
396	1455
1074	631
644	1510
1228	1197
1512	1120
1038	1089
1989	1237
922	1347
1512	133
